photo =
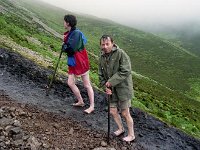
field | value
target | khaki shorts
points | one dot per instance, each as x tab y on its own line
121	104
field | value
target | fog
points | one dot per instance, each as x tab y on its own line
137	13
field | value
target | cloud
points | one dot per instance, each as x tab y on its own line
136	12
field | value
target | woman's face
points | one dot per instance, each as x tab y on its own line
66	25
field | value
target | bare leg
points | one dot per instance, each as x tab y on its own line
118	121
74	88
88	86
129	122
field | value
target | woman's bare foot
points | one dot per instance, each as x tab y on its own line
129	138
89	110
79	104
119	132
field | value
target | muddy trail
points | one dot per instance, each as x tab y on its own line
24	82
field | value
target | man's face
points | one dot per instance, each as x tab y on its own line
106	45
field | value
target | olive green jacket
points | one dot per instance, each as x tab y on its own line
115	68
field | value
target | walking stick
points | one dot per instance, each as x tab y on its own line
108	136
49	86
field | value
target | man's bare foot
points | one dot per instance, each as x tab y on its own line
79	104
119	132
89	110
129	138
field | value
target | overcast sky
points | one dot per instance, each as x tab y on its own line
136	12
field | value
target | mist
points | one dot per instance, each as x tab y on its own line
141	14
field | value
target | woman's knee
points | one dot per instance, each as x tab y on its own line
87	86
70	83
86	81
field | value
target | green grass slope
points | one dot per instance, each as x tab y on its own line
186	37
151	56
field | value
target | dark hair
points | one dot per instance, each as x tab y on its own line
104	37
71	19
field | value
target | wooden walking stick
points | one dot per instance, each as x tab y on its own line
49	86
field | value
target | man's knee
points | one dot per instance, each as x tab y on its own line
125	113
113	111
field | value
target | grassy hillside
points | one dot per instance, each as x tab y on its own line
151	56
186	37
21	28
168	105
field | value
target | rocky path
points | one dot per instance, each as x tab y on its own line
24	82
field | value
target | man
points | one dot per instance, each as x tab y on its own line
115	76
78	61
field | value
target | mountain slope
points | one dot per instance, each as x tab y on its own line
31	26
151	56
54	122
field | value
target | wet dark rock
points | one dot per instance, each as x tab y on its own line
71	131
103	143
97	135
17	123
104	148
5	122
124	148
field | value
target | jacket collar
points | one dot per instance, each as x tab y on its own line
72	29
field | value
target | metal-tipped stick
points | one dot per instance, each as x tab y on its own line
108	136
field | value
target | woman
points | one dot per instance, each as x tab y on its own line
78	62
